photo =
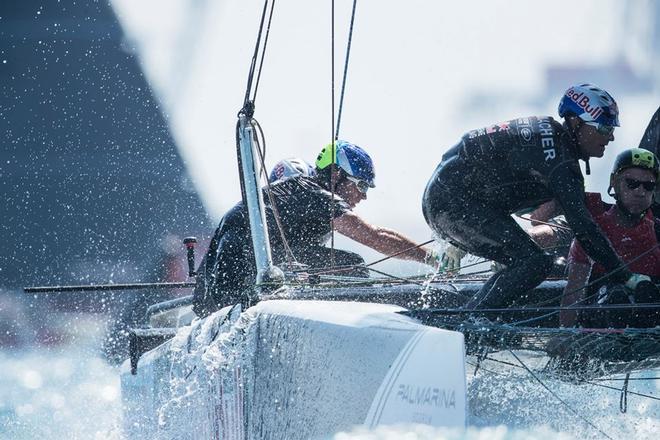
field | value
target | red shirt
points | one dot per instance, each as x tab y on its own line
627	242
595	204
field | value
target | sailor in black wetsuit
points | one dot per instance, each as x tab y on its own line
501	169
651	141
305	205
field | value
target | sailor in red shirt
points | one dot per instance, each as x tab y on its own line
629	225
629	242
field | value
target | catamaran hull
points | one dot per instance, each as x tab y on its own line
296	369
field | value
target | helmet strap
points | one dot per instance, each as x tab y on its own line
633	218
327	179
573	131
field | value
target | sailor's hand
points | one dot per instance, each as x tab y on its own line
433	259
451	259
645	292
496	266
635	279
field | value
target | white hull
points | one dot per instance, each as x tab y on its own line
296	369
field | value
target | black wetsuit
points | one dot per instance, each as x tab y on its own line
501	169
651	141
227	272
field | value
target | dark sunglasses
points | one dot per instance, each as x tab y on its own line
361	185
605	130
634	184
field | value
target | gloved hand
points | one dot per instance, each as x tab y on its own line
645	291
635	279
496	267
451	259
432	259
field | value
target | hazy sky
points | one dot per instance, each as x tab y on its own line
421	74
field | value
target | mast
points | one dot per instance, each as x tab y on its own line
266	271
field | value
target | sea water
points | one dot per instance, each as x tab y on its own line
63	390
67	391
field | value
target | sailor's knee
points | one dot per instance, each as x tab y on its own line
543	263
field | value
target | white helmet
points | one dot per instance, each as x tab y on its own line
289	168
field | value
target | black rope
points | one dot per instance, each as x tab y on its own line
400	252
332	135
479	367
582	288
607	379
276	214
460	311
483	354
570	408
633	393
623	400
371	281
587	382
536	318
263	52
597	280
248	105
552	225
343	83
239	161
396	277
341	268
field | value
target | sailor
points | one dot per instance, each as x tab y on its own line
305	206
651	141
549	228
630	227
504	168
651	138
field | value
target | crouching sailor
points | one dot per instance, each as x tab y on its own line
304	204
549	228
631	228
501	169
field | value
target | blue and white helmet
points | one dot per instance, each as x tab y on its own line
591	104
352	159
289	168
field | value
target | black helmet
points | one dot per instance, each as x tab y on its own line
636	158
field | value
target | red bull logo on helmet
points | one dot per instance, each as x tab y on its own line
584	102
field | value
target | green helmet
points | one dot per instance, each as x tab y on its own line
350	158
636	158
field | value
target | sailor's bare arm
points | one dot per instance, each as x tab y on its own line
578	274
545	212
383	240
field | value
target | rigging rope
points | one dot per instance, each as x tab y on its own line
248	103
552	225
335	129
291	258
343	83
588	382
563	402
623	401
263	52
248	111
594	282
332	134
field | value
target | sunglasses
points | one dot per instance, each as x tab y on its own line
605	130
634	184
361	185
